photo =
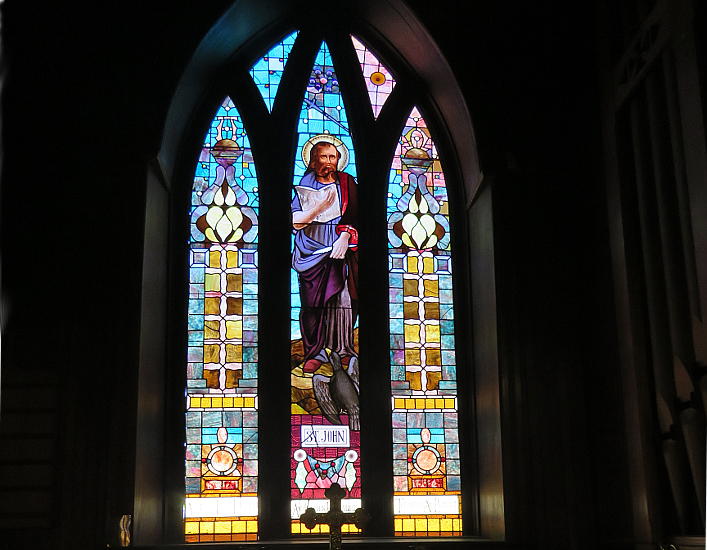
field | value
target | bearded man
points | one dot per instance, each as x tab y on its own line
325	217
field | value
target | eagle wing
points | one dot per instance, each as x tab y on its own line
353	372
330	410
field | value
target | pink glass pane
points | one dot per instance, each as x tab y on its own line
379	81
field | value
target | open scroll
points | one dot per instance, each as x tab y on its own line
309	198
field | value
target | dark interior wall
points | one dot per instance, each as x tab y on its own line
84	101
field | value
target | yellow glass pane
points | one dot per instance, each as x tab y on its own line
234	330
439	403
205	402
251	526
433	524
234	306
433	379
412	333
195	402
445	524
429	403
411	310
215	258
228	402
432	333
408	524
414	379
409	403
212	353
412	264
206	527
296	528
421	523
217	402
431	288
412	357
232	377
457	524
410	287
234	353
212	306
399	403
191	527
238	402
234	282
222	527
249	402
434	357
419	403
232	258
212	329
238	526
449	403
431	310
212	282
398	524
428	265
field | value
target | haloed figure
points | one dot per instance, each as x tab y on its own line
325	217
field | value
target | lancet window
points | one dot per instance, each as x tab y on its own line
223	370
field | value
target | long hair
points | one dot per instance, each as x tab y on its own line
314	153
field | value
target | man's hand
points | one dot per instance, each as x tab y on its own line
330	195
340	246
302	218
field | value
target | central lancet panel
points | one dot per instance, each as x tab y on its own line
324	332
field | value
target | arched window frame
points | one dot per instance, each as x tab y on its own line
243	34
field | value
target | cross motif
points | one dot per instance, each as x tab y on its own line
334	518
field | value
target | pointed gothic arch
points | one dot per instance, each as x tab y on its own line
245	31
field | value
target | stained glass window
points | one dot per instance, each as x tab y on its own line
267	71
426	469
379	81
324	333
222	373
222	370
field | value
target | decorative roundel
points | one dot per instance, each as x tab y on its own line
335	141
426	459
300	455
378	78
222	460
351	455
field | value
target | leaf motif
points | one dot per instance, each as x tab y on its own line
424	207
213	216
409	221
428	223
413	206
230	197
419	235
235	215
237	234
223	228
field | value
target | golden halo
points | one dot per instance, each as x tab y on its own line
335	141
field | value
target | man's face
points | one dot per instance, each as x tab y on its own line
325	161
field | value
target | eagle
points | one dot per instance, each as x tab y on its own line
338	393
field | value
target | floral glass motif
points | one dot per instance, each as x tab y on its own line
379	81
324	337
267	71
427	483
222	368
